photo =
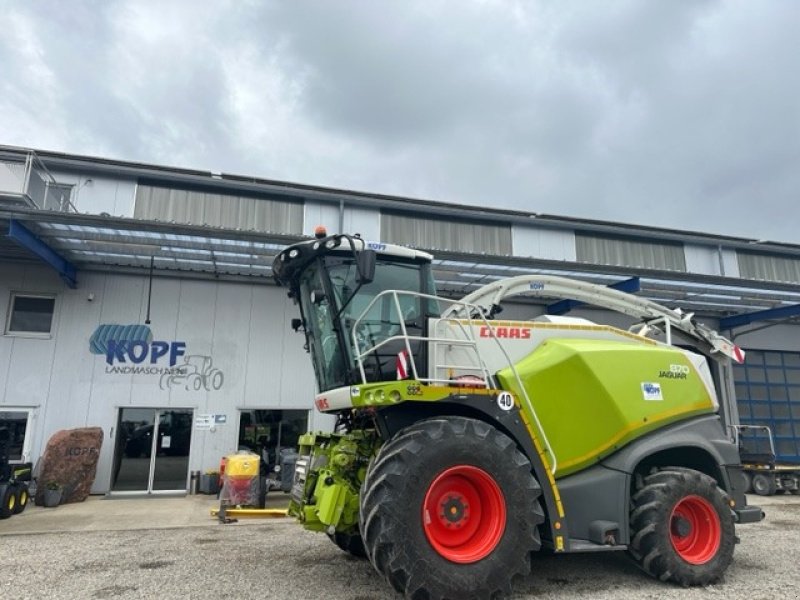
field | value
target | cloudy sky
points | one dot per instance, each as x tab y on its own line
683	114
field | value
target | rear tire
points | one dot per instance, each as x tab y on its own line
350	543
764	485
450	509
22	499
682	527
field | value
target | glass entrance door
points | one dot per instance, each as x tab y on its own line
152	450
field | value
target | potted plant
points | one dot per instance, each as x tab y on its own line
52	494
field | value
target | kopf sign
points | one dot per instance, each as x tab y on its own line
137	351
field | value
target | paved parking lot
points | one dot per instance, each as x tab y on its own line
171	548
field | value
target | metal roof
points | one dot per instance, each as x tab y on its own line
125	245
145	172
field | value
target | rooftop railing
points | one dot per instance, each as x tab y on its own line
25	180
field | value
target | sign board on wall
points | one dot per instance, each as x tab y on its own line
207	421
131	350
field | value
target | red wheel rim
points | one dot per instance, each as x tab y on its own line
464	514
695	530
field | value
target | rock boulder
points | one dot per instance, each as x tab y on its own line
70	459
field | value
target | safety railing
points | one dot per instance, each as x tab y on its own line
25	179
472	315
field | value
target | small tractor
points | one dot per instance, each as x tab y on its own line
464	443
14	479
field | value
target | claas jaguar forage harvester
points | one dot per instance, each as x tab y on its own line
464	443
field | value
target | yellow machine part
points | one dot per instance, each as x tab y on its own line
241	466
253	513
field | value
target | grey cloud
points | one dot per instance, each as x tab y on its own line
681	114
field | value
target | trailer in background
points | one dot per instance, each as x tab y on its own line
763	473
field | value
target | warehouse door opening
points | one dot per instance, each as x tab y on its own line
268	432
16	423
151	454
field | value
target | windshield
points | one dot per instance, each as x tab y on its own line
323	342
332	304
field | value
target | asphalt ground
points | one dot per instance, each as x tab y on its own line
172	548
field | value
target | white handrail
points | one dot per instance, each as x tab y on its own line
469	310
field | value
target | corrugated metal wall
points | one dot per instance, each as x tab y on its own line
629	252
218	210
768	268
441	234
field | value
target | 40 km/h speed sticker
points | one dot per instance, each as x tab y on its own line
505	401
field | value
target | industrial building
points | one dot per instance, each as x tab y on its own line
177	264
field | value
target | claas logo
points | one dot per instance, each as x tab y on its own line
511	333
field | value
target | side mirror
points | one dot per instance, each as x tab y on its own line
366	266
297	324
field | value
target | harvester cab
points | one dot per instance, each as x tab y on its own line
464	442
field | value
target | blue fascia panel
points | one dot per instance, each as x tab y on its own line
25	238
562	307
784	312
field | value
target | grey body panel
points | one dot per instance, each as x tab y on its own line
602	492
595	494
705	433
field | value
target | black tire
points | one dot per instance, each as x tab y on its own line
747	482
350	543
764	484
9	501
262	491
22	498
682	527
413	472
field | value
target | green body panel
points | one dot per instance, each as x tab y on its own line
386	393
337	465
593	396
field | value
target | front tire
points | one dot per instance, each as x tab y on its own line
350	543
682	527
450	509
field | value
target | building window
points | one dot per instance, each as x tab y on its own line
30	314
267	432
766	267
630	252
434	233
14	427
